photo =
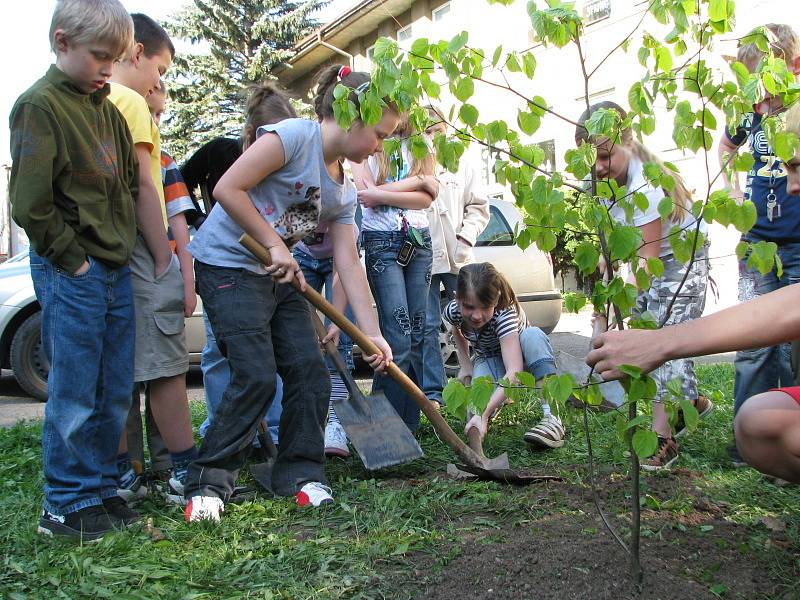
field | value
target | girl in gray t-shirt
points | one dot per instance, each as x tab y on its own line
287	183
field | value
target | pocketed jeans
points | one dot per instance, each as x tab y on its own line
401	296
537	357
760	369
261	327
88	336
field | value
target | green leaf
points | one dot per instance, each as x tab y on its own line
624	241
496	57
630	370
743	161
480	393
458	42
762	256
587	256
645	443
528	122
463	88
526	379
690	416
529	64
665	207
456	396
469	114
655	267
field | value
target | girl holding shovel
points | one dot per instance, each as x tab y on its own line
287	183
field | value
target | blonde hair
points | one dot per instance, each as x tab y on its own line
93	21
792	119
783	43
681	196
419	168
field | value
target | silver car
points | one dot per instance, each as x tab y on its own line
529	271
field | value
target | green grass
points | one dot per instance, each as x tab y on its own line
379	527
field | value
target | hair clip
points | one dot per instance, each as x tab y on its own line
362	88
344	71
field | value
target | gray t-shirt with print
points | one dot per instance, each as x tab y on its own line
294	200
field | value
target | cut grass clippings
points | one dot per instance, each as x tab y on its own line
370	543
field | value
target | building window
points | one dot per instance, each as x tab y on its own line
595	10
440	12
404	34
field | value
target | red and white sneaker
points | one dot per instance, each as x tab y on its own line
314	494
203	508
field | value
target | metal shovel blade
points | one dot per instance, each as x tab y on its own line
498	469
378	434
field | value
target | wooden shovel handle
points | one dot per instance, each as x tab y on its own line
368	347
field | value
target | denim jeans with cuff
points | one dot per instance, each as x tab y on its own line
761	369
262	328
433	376
88	336
401	296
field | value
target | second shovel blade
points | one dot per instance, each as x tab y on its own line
376	431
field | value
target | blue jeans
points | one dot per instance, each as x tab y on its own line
217	375
537	357
761	369
87	332
433	375
401	296
318	273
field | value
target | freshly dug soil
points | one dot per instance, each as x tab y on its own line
568	553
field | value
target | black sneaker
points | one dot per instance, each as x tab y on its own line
118	510
90	523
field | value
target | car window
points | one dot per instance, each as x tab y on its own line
498	232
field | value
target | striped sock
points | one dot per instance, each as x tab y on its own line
338	392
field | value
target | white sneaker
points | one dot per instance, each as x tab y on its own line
315	494
336	441
174	492
203	508
548	433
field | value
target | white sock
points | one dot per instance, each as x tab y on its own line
546	409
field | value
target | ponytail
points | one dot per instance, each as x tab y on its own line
266	104
327	79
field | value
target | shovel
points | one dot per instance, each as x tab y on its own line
484	468
378	434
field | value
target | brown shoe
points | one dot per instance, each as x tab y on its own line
666	454
703	406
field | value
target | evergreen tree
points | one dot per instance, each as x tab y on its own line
239	42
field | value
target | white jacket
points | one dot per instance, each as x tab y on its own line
459	210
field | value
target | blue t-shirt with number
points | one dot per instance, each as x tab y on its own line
768	174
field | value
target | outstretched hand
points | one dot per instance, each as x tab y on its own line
638	347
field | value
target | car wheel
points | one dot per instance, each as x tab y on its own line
28	361
448	347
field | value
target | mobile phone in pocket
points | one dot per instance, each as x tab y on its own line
406	253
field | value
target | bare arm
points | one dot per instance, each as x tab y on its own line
511	352
180	231
260	160
462	352
376	196
725	149
354	282
768	320
149	215
362	176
